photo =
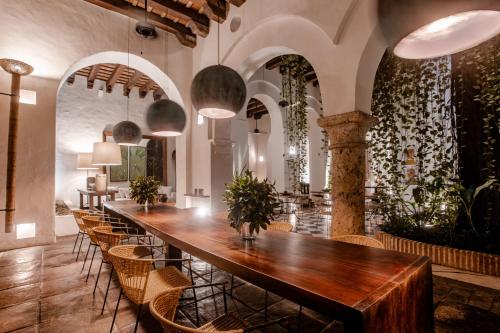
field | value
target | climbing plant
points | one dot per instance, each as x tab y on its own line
413	143
293	93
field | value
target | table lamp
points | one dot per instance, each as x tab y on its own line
84	162
104	154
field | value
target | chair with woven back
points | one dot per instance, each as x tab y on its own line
164	308
359	240
280	226
139	281
78	214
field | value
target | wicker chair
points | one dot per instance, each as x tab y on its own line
359	240
139	281
89	223
78	214
164	307
280	226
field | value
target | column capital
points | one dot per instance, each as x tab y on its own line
347	129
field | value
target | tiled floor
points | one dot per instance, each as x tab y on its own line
42	290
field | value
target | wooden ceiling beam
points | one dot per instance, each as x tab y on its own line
117	72
311	77
131	83
273	63
92	75
158	94
71	79
198	23
237	3
216	10
185	36
143	91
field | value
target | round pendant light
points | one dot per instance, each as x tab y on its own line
422	29
165	118
127	133
218	92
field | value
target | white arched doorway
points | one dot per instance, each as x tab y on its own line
163	81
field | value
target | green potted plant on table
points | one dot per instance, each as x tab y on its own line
251	204
144	190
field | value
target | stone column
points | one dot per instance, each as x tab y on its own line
347	133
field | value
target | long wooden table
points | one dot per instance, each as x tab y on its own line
368	289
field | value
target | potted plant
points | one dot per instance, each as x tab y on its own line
251	204
144	190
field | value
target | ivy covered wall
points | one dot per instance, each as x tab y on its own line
435	148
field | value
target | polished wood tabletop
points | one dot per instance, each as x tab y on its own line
370	289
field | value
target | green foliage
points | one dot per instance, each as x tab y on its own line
250	201
144	190
293	70
467	197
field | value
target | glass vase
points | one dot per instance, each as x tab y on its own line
246	234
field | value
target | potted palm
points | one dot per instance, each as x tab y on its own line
251	204
144	190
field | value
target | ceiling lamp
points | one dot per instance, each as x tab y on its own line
106	153
422	29
127	133
166	118
218	92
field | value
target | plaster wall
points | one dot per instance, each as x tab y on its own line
82	115
52	38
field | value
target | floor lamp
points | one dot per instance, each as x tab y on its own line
16	69
84	162
104	154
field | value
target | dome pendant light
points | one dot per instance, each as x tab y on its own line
218	91
127	133
423	29
165	117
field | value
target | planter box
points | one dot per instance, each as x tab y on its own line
447	256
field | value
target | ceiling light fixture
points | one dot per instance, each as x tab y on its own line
218	91
127	133
423	29
165	117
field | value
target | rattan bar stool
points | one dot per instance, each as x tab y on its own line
164	307
78	214
359	240
280	226
139	282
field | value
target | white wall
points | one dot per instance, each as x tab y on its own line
82	115
50	39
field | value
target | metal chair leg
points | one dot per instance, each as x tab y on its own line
86	256
194	293
116	310
299	327
232	285
76	241
97	279
80	247
91	261
138	316
265	307
107	289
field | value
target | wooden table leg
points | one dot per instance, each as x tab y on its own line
112	195
81	200
174	253
99	204
91	201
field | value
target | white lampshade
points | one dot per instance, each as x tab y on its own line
84	162
106	153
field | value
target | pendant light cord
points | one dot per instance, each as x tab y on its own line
218	34
128	60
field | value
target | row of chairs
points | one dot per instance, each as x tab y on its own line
135	263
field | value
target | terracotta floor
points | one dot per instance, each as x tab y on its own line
42	290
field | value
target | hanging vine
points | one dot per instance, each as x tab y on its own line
293	69
414	141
